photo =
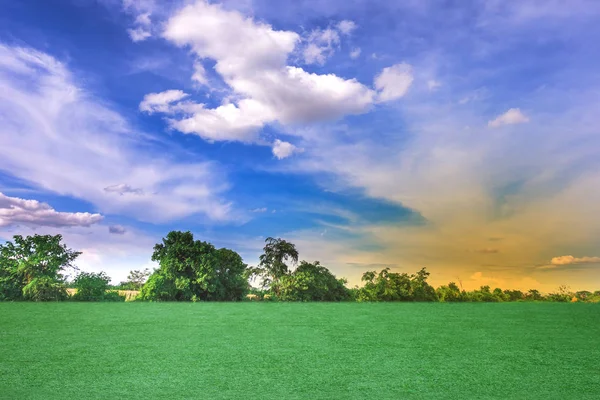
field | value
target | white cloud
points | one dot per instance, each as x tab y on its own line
122	189
199	74
321	45
139	34
57	137
117	229
259	210
16	211
283	150
143	19
161	102
432	84
251	58
393	82
346	26
227	122
355	53
511	117
568	260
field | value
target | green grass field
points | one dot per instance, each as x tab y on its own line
299	351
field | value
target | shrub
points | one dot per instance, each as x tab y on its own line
93	286
158	288
45	289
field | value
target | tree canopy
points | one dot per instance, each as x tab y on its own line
32	267
194	270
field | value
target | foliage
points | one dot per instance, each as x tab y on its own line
193	269
135	279
45	289
93	286
451	293
273	264
395	286
311	282
37	263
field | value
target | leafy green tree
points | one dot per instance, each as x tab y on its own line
420	289
312	282
92	286
385	286
193	269
534	295
277	253
45	289
514	295
37	263
450	293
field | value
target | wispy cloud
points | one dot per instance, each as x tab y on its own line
58	137
512	117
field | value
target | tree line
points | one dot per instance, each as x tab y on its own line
41	268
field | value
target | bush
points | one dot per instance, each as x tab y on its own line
158	288
93	286
45	289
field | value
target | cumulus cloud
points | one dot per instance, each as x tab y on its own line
511	117
283	150
117	229
81	146
393	82
355	53
251	57
16	211
568	260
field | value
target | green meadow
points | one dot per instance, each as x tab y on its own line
299	350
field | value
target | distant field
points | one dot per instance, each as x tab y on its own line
129	294
299	351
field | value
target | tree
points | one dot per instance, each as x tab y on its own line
32	268
92	286
194	270
420	289
137	278
385	286
534	294
273	262
450	293
312	282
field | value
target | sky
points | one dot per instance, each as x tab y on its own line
458	136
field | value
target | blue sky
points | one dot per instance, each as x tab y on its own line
458	137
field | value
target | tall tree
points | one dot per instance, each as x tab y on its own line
32	267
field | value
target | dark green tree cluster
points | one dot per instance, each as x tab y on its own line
32	268
93	286
312	282
193	270
394	286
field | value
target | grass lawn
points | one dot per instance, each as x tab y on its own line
299	351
